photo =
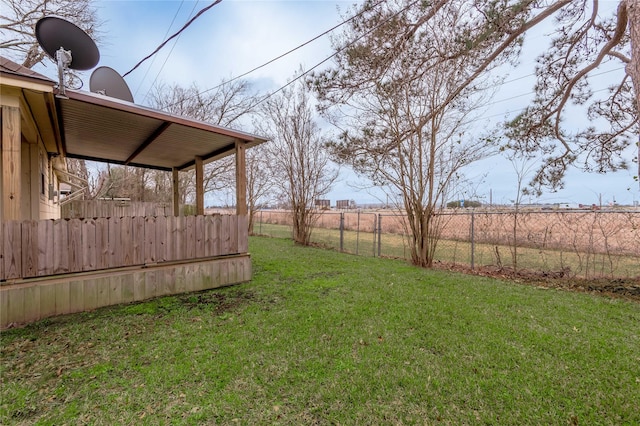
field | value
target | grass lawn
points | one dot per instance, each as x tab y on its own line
320	337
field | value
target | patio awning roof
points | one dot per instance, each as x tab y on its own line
96	127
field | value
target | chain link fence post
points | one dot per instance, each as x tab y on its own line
379	234
473	241
341	231
375	232
358	232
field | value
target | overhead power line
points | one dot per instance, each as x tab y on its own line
203	10
165	36
337	51
167	58
288	53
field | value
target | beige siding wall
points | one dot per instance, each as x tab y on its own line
35	178
48	195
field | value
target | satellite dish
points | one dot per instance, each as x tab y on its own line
67	44
107	81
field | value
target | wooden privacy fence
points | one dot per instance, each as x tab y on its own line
114	208
50	247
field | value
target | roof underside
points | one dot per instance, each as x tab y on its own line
96	127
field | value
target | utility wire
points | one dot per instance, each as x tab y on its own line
505	113
174	35
168	56
335	53
532	92
287	53
165	36
292	50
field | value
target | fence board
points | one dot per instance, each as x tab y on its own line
233	234
137	235
115	242
190	243
76	257
217	232
102	243
12	257
200	237
180	237
29	242
161	238
126	243
60	243
45	247
208	235
89	248
224	235
170	234
150	239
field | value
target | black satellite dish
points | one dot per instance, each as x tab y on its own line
107	81
67	44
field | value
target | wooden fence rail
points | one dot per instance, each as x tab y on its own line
50	247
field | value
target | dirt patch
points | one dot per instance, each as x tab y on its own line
628	288
216	301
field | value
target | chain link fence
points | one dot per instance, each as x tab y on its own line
584	244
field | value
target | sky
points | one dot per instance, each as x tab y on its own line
236	36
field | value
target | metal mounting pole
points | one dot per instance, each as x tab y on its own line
63	57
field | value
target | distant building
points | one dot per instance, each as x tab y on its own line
346	204
323	204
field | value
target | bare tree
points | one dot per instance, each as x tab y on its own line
18	20
404	131
227	105
491	32
18	42
136	183
300	164
522	166
259	180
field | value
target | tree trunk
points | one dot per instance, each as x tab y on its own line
633	68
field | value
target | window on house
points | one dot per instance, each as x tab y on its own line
43	167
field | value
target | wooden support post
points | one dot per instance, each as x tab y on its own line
241	179
176	192
11	164
199	186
